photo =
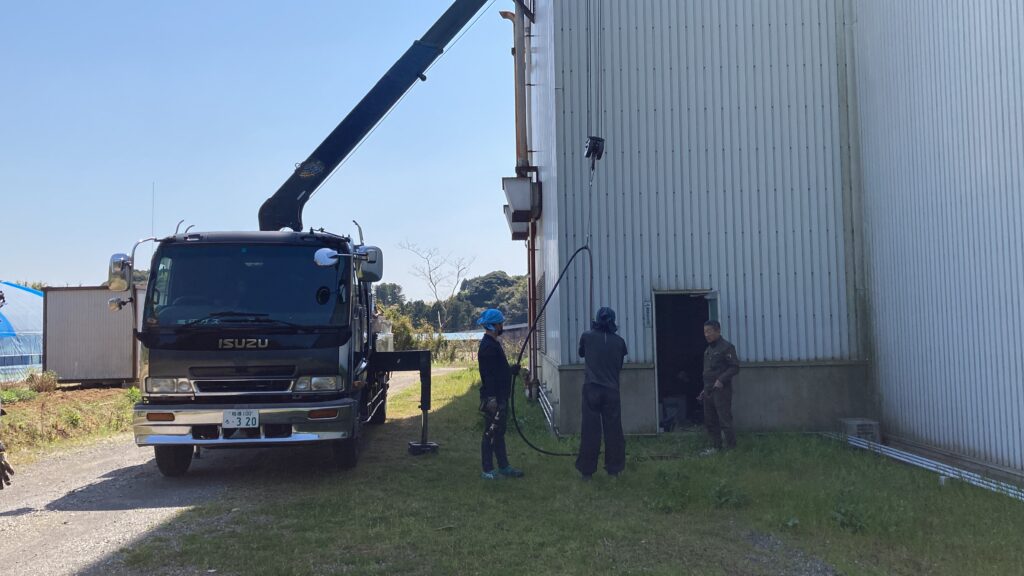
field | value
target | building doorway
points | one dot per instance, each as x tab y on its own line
679	354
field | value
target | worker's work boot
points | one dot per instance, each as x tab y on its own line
510	472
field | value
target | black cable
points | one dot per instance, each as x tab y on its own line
533	328
522	351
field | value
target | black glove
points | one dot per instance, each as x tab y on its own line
515	370
6	472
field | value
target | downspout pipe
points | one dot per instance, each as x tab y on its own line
518	19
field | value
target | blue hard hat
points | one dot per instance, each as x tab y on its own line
491	317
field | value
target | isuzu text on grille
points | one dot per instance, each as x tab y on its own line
226	343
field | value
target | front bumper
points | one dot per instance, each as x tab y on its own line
280	424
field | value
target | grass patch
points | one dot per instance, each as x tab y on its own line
12	395
769	507
45	421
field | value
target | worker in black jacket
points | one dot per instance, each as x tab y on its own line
6	472
721	364
603	352
495	388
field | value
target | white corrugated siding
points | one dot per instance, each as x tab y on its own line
84	340
723	169
941	94
543	108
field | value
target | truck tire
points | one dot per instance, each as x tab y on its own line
346	453
382	412
173	461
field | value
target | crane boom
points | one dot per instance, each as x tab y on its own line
284	208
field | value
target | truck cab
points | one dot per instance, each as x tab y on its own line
256	339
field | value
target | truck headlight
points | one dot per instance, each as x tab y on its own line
317	384
168	386
324	382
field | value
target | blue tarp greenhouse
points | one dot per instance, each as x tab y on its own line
21	331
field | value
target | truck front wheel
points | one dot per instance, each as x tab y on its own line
173	460
346	453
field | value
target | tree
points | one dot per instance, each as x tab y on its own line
442	274
401	328
32	285
138	277
389	294
515	298
483	291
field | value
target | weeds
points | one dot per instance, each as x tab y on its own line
724	495
71	417
50	419
847	514
134	395
42	382
12	395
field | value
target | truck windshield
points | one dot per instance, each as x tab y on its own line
229	284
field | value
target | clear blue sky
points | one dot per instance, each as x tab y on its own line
216	101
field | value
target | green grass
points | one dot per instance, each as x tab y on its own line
12	395
671	513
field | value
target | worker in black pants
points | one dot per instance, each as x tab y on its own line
495	387
604	352
6	472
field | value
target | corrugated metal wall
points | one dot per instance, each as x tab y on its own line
84	340
543	108
723	168
940	85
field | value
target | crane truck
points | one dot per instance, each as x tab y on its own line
268	338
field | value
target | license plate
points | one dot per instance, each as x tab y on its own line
241	419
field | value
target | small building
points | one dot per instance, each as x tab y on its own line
21	331
86	342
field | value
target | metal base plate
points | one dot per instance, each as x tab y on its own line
418	448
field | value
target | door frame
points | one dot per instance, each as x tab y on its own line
710	295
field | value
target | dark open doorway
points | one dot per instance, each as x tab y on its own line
679	355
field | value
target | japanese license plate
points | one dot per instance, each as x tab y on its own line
241	419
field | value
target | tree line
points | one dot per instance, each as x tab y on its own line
459	311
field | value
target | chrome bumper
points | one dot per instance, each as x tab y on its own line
290	424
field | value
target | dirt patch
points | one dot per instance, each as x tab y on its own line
776	557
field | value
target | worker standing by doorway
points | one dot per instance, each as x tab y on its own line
721	364
495	388
603	352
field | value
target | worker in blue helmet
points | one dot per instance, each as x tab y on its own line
495	388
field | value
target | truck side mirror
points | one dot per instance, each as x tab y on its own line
326	258
119	277
371	264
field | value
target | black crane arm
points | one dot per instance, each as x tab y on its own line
284	208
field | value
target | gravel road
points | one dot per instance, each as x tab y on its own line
71	512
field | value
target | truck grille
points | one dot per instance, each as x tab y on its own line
242	371
242	386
